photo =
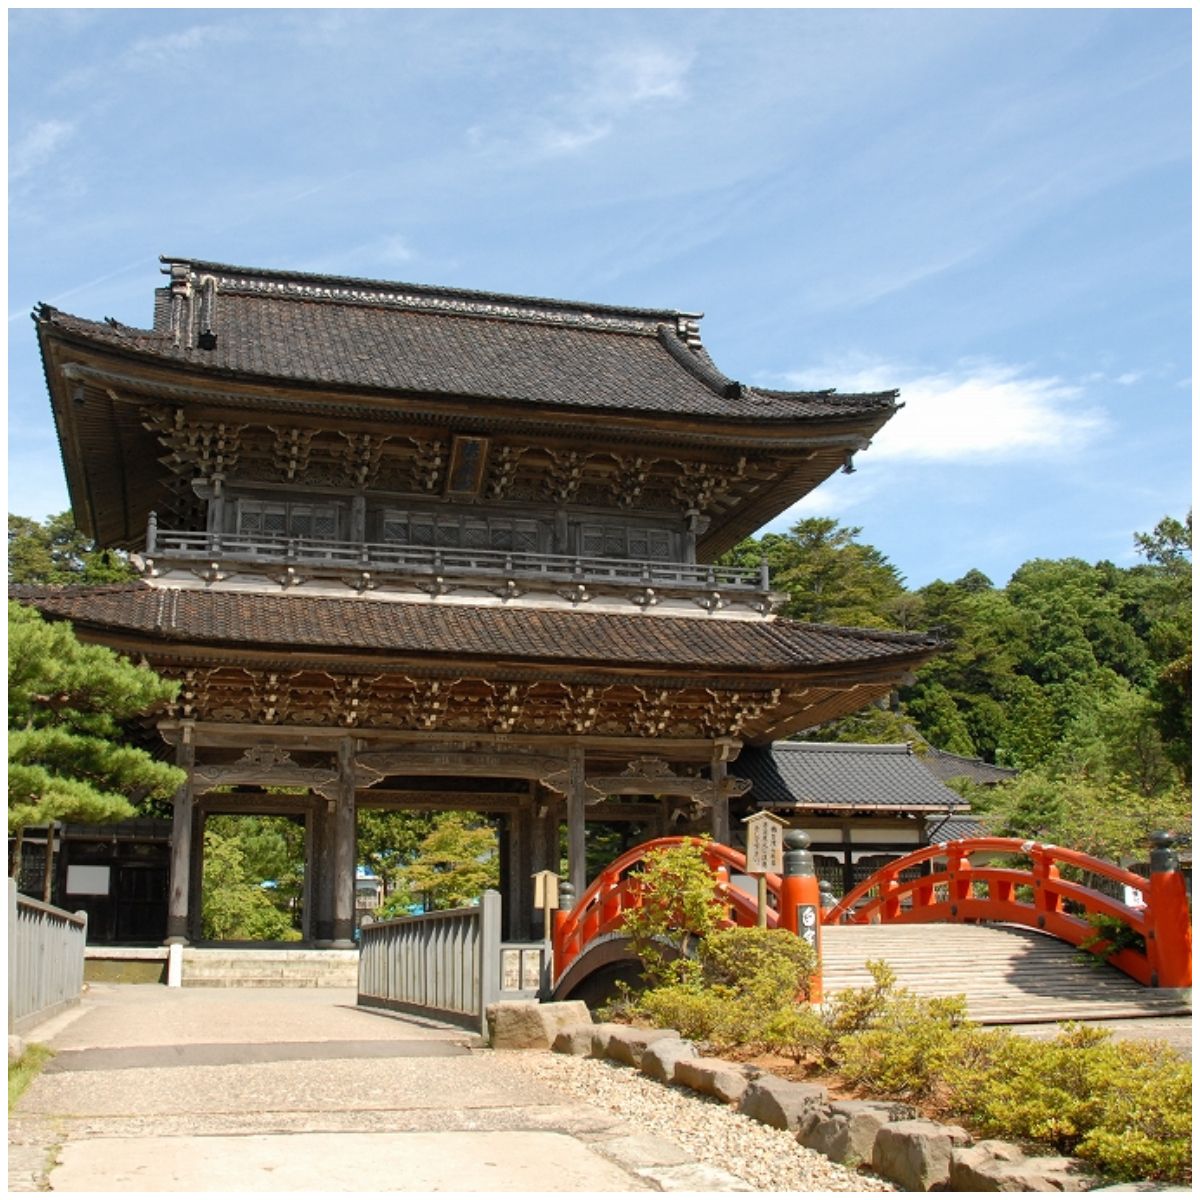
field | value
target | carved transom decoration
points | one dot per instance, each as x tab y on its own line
278	452
461	705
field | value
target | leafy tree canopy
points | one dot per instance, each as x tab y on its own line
454	864
54	551
66	705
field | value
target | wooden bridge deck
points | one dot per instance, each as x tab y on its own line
1008	974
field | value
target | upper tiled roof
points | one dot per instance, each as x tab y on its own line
393	337
946	766
458	631
950	829
842	775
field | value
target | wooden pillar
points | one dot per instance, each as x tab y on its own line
518	896
344	850
720	804
576	834
195	902
543	841
181	844
321	857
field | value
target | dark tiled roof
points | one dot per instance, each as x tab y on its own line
842	775
946	766
949	829
312	329
465	631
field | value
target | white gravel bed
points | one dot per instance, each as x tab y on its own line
771	1160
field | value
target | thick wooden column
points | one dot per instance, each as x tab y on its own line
181	844
518	895
720	805
576	830
320	864
344	850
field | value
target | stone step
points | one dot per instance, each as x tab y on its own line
1007	973
228	967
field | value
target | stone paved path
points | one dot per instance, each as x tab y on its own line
157	1089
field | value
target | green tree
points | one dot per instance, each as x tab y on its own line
273	852
54	551
454	864
235	906
67	703
389	841
829	576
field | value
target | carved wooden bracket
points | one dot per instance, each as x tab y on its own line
267	766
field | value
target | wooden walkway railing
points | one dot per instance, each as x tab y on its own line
45	959
449	965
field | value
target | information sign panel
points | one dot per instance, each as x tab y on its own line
764	843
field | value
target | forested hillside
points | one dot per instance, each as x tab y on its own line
1078	674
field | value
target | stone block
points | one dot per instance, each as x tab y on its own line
916	1154
16	1047
574	1039
712	1076
629	1043
528	1025
781	1103
995	1166
845	1132
660	1059
602	1035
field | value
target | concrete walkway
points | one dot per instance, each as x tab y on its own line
277	1089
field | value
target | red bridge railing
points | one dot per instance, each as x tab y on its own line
954	889
1038	896
617	889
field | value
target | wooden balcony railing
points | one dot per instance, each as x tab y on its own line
440	569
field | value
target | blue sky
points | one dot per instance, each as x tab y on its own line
988	209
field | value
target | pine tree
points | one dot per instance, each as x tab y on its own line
66	705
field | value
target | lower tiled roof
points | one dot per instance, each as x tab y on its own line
842	775
359	624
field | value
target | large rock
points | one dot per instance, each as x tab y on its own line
995	1166
528	1025
916	1154
712	1076
574	1039
629	1043
845	1132
603	1034
661	1058
16	1048
781	1102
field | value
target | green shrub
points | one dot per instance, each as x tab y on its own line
771	965
1123	1106
697	1014
908	1047
679	906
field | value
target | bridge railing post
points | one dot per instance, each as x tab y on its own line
800	899
1169	946
1046	897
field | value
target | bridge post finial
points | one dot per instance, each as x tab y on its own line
1170	949
800	899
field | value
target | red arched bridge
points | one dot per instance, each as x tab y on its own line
1021	910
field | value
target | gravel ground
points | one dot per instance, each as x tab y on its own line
769	1159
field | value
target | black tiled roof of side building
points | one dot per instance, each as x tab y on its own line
395	337
270	620
842	775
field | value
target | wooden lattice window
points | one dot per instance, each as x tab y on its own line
621	541
283	518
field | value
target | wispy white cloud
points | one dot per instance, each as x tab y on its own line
613	87
38	146
192	40
973	412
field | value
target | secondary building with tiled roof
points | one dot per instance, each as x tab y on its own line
414	546
861	804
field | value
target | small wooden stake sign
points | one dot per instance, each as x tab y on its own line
764	853
545	897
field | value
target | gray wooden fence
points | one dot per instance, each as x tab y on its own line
449	965
45	959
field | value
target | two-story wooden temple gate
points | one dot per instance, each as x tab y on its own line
409	546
